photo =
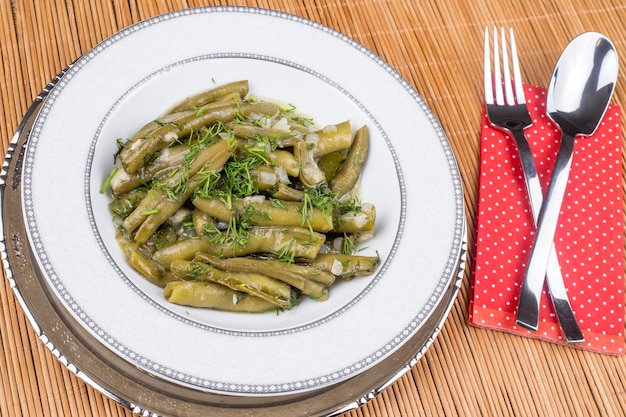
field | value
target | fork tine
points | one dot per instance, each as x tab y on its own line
488	81
508	87
517	76
497	73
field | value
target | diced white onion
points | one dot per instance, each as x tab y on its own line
165	153
313	172
267	177
262	119
254	199
336	268
359	218
178	217
312	138
119	178
282	125
325	248
283	177
170	137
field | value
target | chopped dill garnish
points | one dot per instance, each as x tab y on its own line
259	154
173	193
120	145
107	182
349	244
286	252
238	179
306	211
200	110
208	182
264	215
151	157
240	117
322	198
348	206
236	233
196	269
290	108
261	122
304	121
173	124
277	203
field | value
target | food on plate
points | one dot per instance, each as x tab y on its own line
237	203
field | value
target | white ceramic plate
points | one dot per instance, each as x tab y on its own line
411	177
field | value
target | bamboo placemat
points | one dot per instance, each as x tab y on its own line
437	47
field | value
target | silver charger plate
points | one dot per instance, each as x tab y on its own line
115	331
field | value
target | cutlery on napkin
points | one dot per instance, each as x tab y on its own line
589	240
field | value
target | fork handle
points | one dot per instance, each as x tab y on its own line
528	308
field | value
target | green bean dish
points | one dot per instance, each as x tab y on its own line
237	203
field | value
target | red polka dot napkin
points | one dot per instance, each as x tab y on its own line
589	240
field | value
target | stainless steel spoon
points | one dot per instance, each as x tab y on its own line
578	96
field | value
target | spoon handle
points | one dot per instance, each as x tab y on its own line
558	293
528	311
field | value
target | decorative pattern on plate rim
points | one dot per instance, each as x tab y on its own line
215	385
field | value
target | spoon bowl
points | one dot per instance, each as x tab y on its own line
577	107
578	95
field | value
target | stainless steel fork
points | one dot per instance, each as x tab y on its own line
507	111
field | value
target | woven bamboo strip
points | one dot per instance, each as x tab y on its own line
47	396
406	388
13	103
9	394
14	353
32	61
63	35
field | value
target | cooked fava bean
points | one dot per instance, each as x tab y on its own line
223	93
140	150
310	280
350	170
330	139
356	221
205	294
266	212
266	288
346	266
286	243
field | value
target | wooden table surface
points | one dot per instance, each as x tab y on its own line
437	47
